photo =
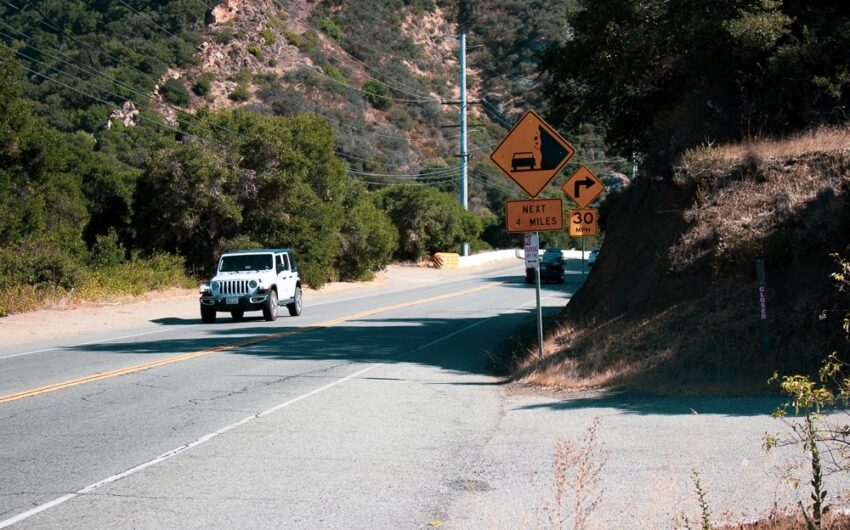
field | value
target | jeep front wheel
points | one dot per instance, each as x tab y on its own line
207	314
270	307
295	306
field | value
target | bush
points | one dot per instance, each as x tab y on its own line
368	240
268	36
256	52
378	94
202	87
107	251
175	93
295	40
335	74
134	277
427	220
329	26
240	93
40	260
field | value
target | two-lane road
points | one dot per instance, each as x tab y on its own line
362	413
375	409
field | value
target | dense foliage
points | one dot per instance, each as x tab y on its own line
661	76
428	221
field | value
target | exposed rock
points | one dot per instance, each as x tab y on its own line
128	114
225	11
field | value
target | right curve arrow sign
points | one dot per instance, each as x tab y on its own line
583	187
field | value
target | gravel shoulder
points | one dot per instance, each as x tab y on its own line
62	319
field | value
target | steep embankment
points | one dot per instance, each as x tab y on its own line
672	304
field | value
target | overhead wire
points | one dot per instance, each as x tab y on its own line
65	59
149	98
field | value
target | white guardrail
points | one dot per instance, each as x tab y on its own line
499	255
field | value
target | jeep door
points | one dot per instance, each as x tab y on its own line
286	279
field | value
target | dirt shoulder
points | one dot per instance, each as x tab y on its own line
63	319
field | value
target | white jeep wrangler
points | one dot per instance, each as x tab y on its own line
252	280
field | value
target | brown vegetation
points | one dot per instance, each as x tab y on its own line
671	304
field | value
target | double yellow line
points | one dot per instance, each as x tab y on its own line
99	376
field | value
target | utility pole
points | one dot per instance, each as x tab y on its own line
464	197
633	167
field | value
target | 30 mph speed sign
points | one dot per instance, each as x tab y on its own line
584	222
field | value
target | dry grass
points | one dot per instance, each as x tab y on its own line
707	160
822	140
577	476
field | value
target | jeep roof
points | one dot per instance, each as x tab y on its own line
258	251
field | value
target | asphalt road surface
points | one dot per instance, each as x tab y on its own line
374	409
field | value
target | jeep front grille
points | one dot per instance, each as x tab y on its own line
234	287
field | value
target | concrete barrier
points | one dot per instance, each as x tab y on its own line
446	260
487	257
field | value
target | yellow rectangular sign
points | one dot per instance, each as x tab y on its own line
544	215
583	222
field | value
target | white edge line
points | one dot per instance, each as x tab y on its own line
174	452
203	439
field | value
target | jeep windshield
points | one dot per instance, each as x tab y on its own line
246	262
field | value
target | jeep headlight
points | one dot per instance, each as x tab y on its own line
252	284
214	286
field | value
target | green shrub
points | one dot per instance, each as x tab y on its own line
378	94
256	52
329	26
134	277
311	37
368	240
40	260
107	251
240	93
223	36
202	87
294	39
335	74
175	93
427	220
268	36
401	119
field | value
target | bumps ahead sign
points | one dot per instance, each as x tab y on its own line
532	153
545	215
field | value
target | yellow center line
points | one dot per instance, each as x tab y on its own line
99	376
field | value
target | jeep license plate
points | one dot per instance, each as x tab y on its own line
232	300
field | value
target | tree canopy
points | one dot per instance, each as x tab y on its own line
661	76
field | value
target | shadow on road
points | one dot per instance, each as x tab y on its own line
641	404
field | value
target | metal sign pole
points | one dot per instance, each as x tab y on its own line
582	255
764	334
539	307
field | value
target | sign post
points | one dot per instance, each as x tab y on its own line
764	335
583	187
531	154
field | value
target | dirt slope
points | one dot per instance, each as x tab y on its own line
672	304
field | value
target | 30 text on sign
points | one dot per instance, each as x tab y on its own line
583	222
544	215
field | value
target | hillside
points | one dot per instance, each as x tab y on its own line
672	303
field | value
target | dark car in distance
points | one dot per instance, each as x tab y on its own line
551	267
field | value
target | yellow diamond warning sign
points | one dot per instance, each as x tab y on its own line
583	187
544	215
532	153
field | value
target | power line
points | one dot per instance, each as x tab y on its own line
64	58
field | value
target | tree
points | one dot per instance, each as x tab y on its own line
662	76
427	220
